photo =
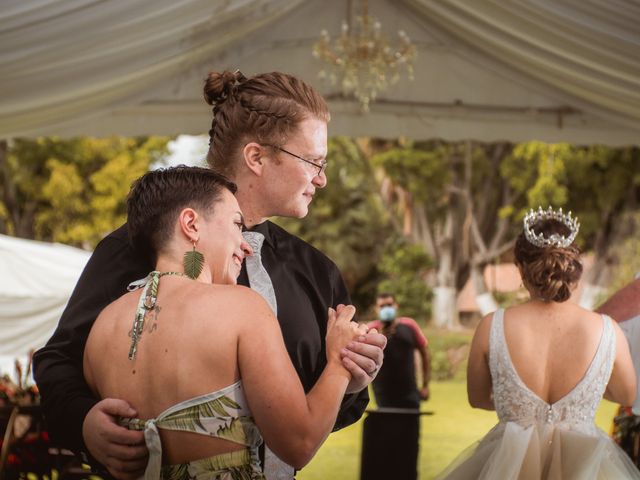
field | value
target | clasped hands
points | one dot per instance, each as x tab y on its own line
363	357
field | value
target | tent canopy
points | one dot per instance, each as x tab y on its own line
533	69
36	282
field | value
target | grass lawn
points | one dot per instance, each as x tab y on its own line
453	427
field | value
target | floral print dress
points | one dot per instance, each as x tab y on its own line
222	414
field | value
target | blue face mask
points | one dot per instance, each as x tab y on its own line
388	313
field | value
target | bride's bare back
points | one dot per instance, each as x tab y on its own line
551	346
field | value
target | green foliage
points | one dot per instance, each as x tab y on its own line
596	182
536	171
73	191
628	252
414	169
603	182
449	351
403	268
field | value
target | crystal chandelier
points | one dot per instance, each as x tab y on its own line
361	60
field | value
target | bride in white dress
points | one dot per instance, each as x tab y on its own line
544	366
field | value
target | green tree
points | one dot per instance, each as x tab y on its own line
404	268
628	252
74	190
450	199
600	184
604	189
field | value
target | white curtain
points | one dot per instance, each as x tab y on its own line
65	59
36	280
587	48
65	64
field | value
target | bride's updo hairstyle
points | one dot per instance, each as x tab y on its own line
548	260
265	108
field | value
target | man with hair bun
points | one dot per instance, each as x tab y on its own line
544	367
268	135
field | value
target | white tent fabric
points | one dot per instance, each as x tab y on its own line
488	70
588	49
36	280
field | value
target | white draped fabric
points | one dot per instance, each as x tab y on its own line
588	49
36	280
488	70
64	59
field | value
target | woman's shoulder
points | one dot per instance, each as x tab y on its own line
566	316
212	292
124	303
236	298
116	316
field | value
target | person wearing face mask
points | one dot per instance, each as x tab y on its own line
395	385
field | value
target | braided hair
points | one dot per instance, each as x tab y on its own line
266	108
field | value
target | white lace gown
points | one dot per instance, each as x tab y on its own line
536	440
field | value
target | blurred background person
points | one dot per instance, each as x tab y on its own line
391	434
395	386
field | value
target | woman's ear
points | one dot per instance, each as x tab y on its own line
189	223
253	155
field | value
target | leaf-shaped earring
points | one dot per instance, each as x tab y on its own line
193	262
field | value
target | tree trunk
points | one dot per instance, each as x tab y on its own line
484	298
445	309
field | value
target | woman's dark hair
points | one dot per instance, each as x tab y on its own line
156	199
550	273
265	108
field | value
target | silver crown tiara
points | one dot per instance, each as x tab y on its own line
555	240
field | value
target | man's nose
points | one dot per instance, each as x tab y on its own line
320	181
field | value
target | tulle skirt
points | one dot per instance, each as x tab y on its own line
542	451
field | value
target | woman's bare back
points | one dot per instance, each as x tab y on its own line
201	338
190	334
551	345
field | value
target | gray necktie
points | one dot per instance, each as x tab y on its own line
260	281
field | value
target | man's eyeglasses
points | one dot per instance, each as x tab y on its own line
388	304
320	166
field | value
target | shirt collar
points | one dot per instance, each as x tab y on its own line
264	229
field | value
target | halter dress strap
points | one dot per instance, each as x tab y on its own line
146	303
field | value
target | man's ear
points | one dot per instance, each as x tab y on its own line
253	155
189	223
